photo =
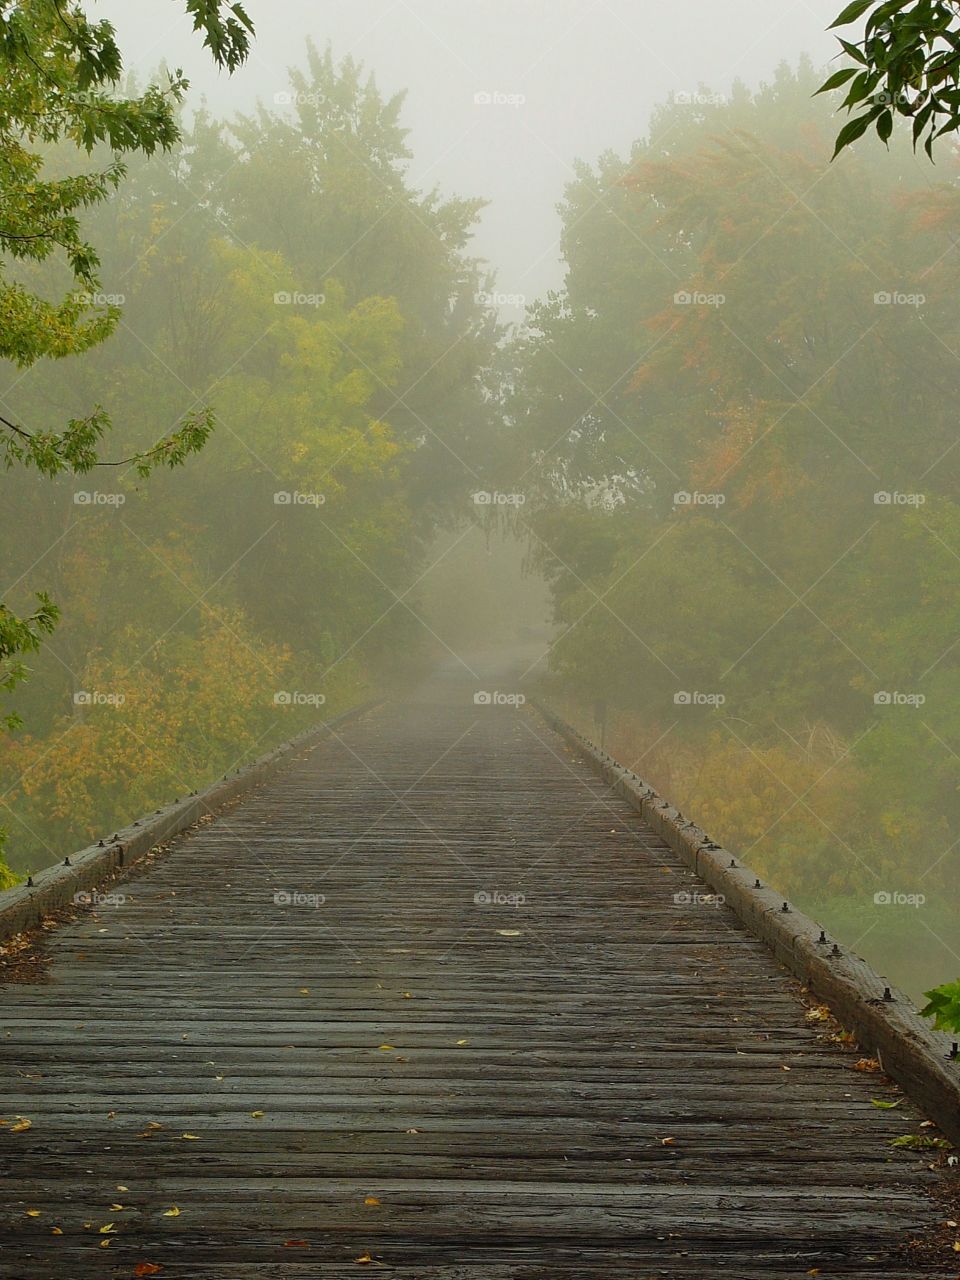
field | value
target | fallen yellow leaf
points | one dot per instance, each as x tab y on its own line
56	1231
107	1229
256	1114
371	1200
33	1213
22	1123
172	1212
191	1137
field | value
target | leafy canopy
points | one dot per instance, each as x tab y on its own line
906	63
60	77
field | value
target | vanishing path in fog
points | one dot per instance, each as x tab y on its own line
425	1073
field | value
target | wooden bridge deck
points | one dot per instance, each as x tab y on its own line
596	1082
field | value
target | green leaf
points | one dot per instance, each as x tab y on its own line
944	1006
837	79
851	131
851	13
920	1142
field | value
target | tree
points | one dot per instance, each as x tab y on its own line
710	422
60	77
347	378
906	63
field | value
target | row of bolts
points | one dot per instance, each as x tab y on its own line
707	844
710	844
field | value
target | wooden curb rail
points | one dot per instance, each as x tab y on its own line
883	1019
26	904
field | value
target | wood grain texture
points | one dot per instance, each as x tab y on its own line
575	1076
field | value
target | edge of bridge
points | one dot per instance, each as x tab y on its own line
25	905
882	1018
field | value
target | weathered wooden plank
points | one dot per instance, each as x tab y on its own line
599	1079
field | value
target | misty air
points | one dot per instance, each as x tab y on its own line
479	639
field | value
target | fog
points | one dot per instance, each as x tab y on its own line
589	74
614	372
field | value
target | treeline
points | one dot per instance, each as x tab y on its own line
283	269
739	421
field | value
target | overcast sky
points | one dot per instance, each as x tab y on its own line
589	72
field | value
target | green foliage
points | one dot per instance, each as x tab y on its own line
60	78
707	499
907	63
943	1005
19	636
337	322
